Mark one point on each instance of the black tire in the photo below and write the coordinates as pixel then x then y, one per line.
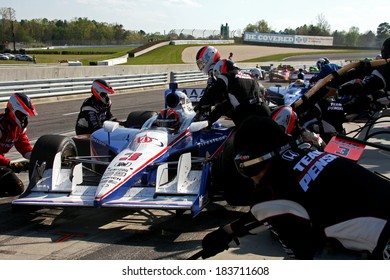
pixel 82 144
pixel 83 147
pixel 48 146
pixel 136 119
pixel 236 189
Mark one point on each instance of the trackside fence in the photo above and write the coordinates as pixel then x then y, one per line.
pixel 72 86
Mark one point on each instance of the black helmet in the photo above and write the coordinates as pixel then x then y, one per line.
pixel 385 52
pixel 252 150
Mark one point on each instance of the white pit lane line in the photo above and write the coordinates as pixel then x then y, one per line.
pixel 68 114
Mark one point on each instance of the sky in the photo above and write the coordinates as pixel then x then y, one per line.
pixel 163 16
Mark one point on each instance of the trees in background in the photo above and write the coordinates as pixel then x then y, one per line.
pixel 350 38
pixel 83 31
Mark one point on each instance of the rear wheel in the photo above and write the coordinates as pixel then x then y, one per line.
pixel 136 119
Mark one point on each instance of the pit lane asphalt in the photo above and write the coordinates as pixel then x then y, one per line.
pixel 118 234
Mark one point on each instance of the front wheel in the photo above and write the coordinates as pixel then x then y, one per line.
pixel 236 189
pixel 46 148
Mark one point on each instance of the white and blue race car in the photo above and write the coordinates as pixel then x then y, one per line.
pixel 138 165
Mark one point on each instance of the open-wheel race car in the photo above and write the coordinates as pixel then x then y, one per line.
pixel 308 73
pixel 286 95
pixel 141 165
pixel 281 73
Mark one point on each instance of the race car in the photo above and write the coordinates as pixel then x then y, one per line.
pixel 286 95
pixel 280 73
pixel 309 73
pixel 140 165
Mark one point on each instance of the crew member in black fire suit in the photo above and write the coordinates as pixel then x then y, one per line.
pixel 95 109
pixel 236 93
pixel 366 80
pixel 306 197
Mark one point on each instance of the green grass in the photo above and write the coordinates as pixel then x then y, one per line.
pixel 85 55
pixel 170 54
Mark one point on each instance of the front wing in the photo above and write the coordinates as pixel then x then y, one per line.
pixel 186 191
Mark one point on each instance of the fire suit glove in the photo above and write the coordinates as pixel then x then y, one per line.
pixel 18 167
pixel 216 242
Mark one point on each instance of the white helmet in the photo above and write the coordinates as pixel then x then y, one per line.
pixel 223 66
pixel 321 62
pixel 285 117
pixel 19 107
pixel 255 73
pixel 206 57
pixel 299 83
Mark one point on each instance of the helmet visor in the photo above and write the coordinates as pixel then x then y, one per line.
pixel 22 118
pixel 166 123
pixel 201 64
pixel 102 97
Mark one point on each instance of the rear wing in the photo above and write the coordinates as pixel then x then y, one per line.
pixel 194 94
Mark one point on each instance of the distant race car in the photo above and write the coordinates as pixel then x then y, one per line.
pixel 280 73
pixel 308 74
pixel 139 165
pixel 286 95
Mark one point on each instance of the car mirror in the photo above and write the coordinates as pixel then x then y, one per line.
pixel 110 126
pixel 196 126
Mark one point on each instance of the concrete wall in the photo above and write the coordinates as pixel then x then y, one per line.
pixel 36 72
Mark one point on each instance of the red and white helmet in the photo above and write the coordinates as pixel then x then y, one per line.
pixel 285 117
pixel 101 89
pixel 169 118
pixel 19 108
pixel 223 66
pixel 206 57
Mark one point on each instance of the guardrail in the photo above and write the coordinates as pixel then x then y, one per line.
pixel 69 86
pixel 187 76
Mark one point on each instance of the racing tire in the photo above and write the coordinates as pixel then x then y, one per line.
pixel 236 189
pixel 48 146
pixel 136 119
